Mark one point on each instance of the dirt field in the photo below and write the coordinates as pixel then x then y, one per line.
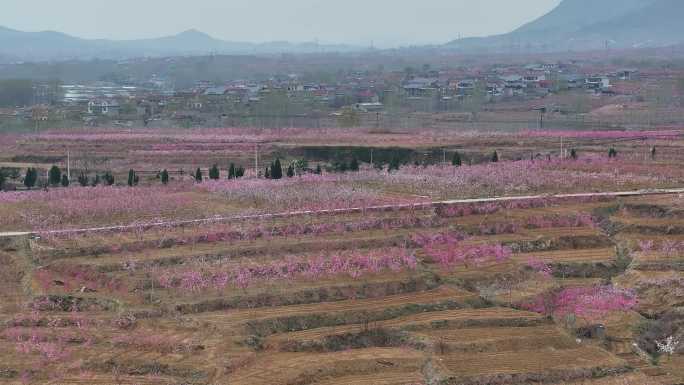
pixel 437 295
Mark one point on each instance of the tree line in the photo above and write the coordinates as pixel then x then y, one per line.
pixel 275 170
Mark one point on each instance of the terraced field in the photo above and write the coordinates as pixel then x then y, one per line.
pixel 395 298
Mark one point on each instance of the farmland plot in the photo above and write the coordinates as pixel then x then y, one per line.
pixel 459 295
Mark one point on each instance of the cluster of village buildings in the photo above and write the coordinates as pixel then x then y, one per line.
pixel 435 90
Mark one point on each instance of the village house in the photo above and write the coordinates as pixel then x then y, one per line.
pixel 369 107
pixel 421 87
pixel 216 91
pixel 513 85
pixel 466 87
pixel 495 88
pixel 533 80
pixel 8 113
pixel 103 107
pixel 572 81
pixel 597 83
pixel 40 113
pixel 627 74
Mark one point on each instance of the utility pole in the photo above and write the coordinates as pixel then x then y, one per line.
pixel 542 111
pixel 256 160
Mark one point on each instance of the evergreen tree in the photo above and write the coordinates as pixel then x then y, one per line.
pixel 612 153
pixel 214 173
pixel 54 176
pixel 319 170
pixel 164 176
pixel 276 170
pixel 267 173
pixel 83 179
pixel 65 180
pixel 394 164
pixel 108 178
pixel 456 160
pixel 198 175
pixel 653 153
pixel 232 172
pixel 30 178
pixel 132 178
pixel 354 165
pixel 342 166
pixel 239 172
pixel 290 171
pixel 495 157
pixel 96 180
pixel 2 180
pixel 573 154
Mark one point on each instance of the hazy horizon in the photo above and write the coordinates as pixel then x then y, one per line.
pixel 382 22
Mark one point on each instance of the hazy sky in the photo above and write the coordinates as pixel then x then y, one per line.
pixel 386 22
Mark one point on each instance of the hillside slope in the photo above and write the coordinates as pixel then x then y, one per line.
pixel 51 45
pixel 589 24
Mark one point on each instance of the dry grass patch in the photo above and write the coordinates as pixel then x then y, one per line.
pixel 303 368
pixel 450 319
pixel 239 317
pixel 532 364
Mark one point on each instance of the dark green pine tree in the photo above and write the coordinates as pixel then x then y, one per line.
pixel 394 164
pixel 131 178
pixel 495 157
pixel 276 170
pixel 96 180
pixel 319 170
pixel 30 178
pixel 108 178
pixel 65 180
pixel 239 172
pixel 214 173
pixel 290 171
pixel 83 179
pixel 342 166
pixel 232 172
pixel 198 175
pixel 54 176
pixel 2 180
pixel 612 153
pixel 267 173
pixel 354 165
pixel 164 177
pixel 456 159
pixel 573 154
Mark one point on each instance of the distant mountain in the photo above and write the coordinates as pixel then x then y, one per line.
pixel 590 24
pixel 51 45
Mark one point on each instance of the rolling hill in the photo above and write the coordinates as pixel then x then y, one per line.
pixel 589 24
pixel 51 45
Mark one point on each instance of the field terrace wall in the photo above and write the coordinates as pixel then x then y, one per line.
pixel 429 321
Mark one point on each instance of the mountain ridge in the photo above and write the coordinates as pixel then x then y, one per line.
pixel 590 24
pixel 54 45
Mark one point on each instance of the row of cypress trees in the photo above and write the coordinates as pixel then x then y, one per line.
pixel 234 172
pixel 273 171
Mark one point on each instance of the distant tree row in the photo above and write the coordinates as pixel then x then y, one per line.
pixel 106 179
pixel 234 172
pixel 55 176
pixel 342 166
